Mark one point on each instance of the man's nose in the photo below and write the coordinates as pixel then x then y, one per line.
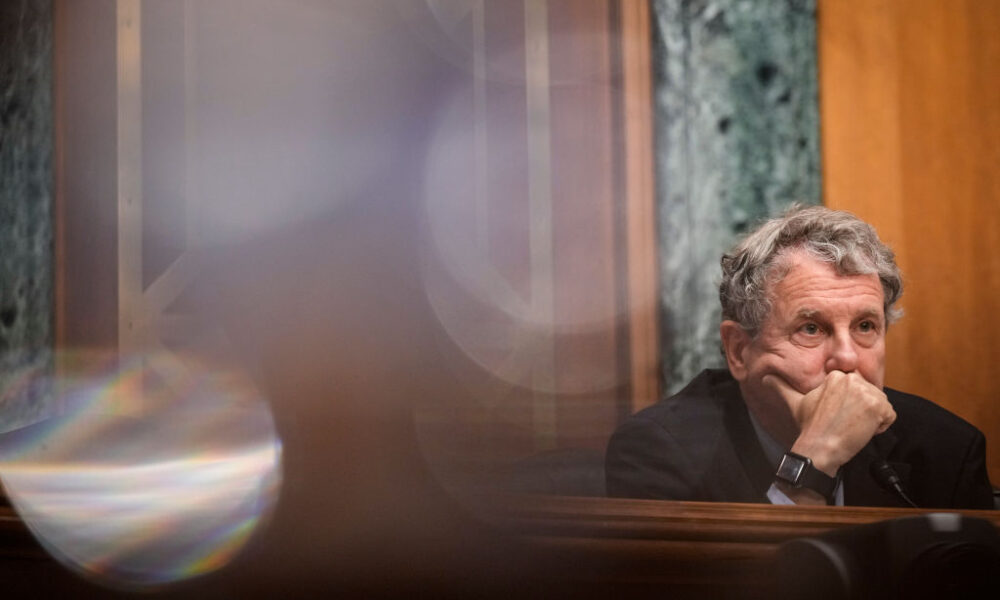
pixel 843 354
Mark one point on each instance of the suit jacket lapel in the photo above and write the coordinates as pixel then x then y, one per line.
pixel 759 472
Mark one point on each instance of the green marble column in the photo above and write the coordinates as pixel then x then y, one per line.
pixel 737 140
pixel 25 210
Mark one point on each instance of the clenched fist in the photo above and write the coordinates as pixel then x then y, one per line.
pixel 836 419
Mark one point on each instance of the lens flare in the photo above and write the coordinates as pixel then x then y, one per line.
pixel 490 274
pixel 158 471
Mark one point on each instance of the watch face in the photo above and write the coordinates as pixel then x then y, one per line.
pixel 791 469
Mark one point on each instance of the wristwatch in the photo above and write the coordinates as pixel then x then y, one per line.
pixel 798 471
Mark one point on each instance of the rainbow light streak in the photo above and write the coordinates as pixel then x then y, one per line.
pixel 139 501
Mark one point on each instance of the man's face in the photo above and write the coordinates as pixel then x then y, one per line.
pixel 820 322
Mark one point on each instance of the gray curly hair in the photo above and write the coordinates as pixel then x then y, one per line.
pixel 832 236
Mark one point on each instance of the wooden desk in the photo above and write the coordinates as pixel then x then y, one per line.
pixel 691 549
pixel 566 547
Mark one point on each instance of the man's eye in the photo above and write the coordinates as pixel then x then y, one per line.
pixel 866 326
pixel 810 329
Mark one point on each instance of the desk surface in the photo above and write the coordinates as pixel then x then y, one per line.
pixel 694 549
pixel 573 546
pixel 705 522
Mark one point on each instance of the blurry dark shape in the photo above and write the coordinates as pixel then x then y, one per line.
pixel 766 71
pixel 940 555
pixel 563 472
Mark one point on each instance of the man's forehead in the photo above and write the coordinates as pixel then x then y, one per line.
pixel 809 284
pixel 804 273
pixel 866 312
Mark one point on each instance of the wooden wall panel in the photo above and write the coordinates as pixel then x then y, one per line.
pixel 641 256
pixel 547 96
pixel 911 142
pixel 86 175
pixel 583 209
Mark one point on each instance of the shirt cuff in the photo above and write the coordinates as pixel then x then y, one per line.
pixel 776 496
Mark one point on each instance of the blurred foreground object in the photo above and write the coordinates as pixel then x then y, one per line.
pixel 937 555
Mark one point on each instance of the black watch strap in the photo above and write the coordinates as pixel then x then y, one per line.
pixel 798 471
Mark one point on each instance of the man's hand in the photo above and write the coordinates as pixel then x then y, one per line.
pixel 836 419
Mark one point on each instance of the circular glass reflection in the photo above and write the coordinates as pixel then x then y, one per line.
pixel 157 471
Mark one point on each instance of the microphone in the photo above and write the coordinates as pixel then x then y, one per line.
pixel 886 476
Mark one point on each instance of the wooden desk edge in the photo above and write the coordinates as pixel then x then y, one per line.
pixel 691 521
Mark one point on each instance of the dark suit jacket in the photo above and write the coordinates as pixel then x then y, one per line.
pixel 700 445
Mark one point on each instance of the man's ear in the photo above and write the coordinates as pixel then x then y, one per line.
pixel 735 340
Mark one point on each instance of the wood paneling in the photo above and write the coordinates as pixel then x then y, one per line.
pixel 547 99
pixel 560 134
pixel 584 199
pixel 911 143
pixel 643 285
pixel 86 175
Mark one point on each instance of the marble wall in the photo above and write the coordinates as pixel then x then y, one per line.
pixel 26 190
pixel 737 139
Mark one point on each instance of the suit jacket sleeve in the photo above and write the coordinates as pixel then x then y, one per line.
pixel 644 460
pixel 973 488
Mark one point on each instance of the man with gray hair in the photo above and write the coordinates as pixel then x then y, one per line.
pixel 801 415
